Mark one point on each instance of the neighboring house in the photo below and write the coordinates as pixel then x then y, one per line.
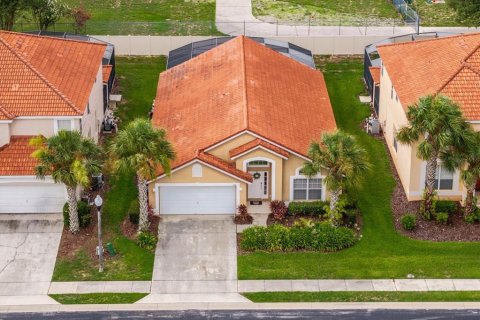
pixel 46 85
pixel 241 118
pixel 448 66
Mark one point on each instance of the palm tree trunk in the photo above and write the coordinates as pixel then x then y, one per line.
pixel 143 201
pixel 72 209
pixel 334 196
pixel 430 185
pixel 469 205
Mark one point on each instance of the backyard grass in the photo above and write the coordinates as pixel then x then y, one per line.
pixel 382 252
pixel 98 298
pixel 436 15
pixel 138 80
pixel 152 17
pixel 364 296
pixel 328 10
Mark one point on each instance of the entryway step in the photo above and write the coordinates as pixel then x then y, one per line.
pixel 197 286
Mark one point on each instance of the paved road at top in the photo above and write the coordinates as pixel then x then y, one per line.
pixel 264 314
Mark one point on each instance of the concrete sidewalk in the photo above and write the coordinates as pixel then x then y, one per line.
pixel 273 286
pixel 234 17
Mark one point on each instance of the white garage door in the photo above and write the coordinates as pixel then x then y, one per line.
pixel 197 199
pixel 31 198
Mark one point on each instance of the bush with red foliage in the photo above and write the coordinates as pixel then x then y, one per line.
pixel 279 210
pixel 243 217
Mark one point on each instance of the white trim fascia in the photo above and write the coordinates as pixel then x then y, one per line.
pixel 204 163
pixel 47 117
pixel 225 141
pixel 273 174
pixel 300 176
pixel 256 136
pixel 259 147
pixel 6 121
pixel 157 186
pixel 474 121
pixel 277 145
pixel 23 179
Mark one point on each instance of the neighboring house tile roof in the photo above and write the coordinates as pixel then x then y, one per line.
pixel 45 76
pixel 224 165
pixel 257 143
pixel 375 72
pixel 435 66
pixel 238 86
pixel 106 71
pixel 16 157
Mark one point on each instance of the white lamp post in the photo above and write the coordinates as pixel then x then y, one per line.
pixel 98 203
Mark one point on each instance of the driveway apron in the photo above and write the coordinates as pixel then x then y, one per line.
pixel 196 254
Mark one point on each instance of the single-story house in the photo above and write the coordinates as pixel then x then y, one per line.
pixel 241 118
pixel 47 84
pixel 448 66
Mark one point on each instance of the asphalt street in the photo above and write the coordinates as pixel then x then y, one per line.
pixel 263 314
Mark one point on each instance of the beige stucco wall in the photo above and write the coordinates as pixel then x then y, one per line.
pixel 184 175
pixel 411 169
pixel 4 133
pixel 32 127
pixel 91 122
pixel 222 151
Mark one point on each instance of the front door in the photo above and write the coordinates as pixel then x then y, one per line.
pixel 258 189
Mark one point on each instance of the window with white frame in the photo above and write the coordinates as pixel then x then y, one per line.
pixel 197 171
pixel 64 125
pixel 395 142
pixel 307 188
pixel 443 178
pixel 258 163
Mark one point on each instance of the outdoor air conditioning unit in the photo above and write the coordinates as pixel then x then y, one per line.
pixel 374 126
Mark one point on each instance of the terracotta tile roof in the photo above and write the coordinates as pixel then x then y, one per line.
pixel 237 86
pixel 106 71
pixel 16 157
pixel 42 76
pixel 375 72
pixel 425 67
pixel 255 143
pixel 224 165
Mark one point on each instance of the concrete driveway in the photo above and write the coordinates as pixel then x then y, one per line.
pixel 196 254
pixel 28 250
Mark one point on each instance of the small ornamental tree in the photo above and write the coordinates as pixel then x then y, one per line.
pixel 80 17
pixel 70 159
pixel 48 12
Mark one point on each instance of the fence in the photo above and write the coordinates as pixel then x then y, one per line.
pixel 348 27
pixel 408 13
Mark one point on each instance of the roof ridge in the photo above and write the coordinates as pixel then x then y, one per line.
pixel 244 80
pixel 6 113
pixel 428 40
pixel 52 38
pixel 36 72
pixel 463 64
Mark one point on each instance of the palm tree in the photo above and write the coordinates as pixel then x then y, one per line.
pixel 70 159
pixel 438 124
pixel 142 149
pixel 467 159
pixel 344 161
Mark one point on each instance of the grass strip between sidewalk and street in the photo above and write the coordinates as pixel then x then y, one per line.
pixel 98 298
pixel 365 296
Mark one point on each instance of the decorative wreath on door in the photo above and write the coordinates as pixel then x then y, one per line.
pixel 256 175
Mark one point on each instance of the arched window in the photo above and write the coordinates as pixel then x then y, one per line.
pixel 197 170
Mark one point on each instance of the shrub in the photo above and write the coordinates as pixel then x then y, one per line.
pixel 134 212
pixel 442 217
pixel 147 240
pixel 84 214
pixel 308 208
pixel 474 217
pixel 279 209
pixel 446 206
pixel 302 236
pixel 243 217
pixel 408 221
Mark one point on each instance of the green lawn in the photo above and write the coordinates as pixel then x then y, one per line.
pixel 382 252
pixel 145 17
pixel 98 298
pixel 330 10
pixel 436 15
pixel 366 296
pixel 138 81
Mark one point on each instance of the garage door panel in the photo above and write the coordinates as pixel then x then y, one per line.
pixel 27 198
pixel 197 199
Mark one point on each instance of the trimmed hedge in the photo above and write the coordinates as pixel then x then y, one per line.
pixel 314 237
pixel 408 221
pixel 446 206
pixel 84 214
pixel 308 208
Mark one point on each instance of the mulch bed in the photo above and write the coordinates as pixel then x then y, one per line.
pixel 130 230
pixel 457 230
